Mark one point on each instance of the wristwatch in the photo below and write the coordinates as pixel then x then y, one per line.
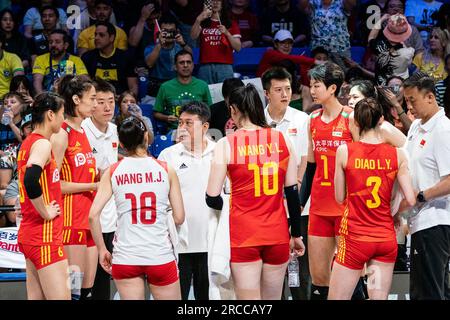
pixel 421 197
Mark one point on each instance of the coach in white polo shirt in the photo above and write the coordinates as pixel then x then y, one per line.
pixel 293 123
pixel 191 159
pixel 102 136
pixel 428 146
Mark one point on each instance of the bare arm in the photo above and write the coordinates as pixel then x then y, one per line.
pixel 392 135
pixel 99 203
pixel 28 32
pixel 37 82
pixel 218 170
pixel 196 27
pixel 310 145
pixel 137 31
pixel 77 187
pixel 133 84
pixel 151 59
pixel 404 178
pixel 306 99
pixel 292 169
pixel 376 29
pixel 175 197
pixel 340 189
pixel 59 143
pixel 235 42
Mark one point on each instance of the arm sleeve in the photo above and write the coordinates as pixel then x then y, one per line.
pixel 16 64
pixel 442 151
pixel 122 40
pixel 31 181
pixel 293 204
pixel 305 190
pixel 83 40
pixel 80 67
pixel 39 65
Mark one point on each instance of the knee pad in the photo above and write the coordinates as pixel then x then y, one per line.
pixel 76 280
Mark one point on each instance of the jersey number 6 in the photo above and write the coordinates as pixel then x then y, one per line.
pixel 143 207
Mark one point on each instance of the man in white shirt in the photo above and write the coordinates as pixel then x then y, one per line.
pixel 428 145
pixel 191 159
pixel 294 124
pixel 103 138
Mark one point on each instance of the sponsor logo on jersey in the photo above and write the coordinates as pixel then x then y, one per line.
pixel 94 150
pixel 292 131
pixel 114 144
pixel 80 159
pixel 337 134
pixel 422 143
pixel 55 176
pixel 183 166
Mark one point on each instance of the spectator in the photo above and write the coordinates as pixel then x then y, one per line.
pixel 86 40
pixel 329 24
pixel 368 11
pixel 218 37
pixel 422 13
pixel 415 40
pixel 160 57
pixel 15 42
pixel 431 61
pixel 393 58
pixel 39 41
pixel 22 85
pixel 58 62
pixel 282 47
pixel 32 19
pixel 320 54
pixel 102 136
pixel 191 160
pixel 441 86
pixel 127 102
pixel 187 11
pixel 10 66
pixel 88 15
pixel 10 136
pixel 108 63
pixel 180 90
pixel 428 146
pixel 142 35
pixel 247 21
pixel 220 114
pixel 283 16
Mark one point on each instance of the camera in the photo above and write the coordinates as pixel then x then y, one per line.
pixel 170 34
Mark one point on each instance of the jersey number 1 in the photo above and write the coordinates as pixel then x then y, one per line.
pixel 143 207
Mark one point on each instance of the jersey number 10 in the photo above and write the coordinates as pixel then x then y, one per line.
pixel 143 207
pixel 267 190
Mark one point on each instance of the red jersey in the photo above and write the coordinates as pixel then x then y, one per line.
pixel 370 175
pixel 326 138
pixel 257 170
pixel 214 46
pixel 34 230
pixel 78 166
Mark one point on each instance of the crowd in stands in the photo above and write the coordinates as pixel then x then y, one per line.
pixel 165 53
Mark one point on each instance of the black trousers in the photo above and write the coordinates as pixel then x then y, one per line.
pixel 430 254
pixel 194 266
pixel 303 292
pixel 102 283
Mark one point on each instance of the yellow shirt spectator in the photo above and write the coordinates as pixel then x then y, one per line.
pixel 429 67
pixel 70 64
pixel 10 65
pixel 86 39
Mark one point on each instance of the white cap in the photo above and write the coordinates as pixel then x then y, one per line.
pixel 282 35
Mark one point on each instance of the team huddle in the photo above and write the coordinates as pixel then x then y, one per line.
pixel 354 162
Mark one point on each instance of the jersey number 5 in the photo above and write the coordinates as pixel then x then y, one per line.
pixel 143 207
pixel 376 183
pixel 267 190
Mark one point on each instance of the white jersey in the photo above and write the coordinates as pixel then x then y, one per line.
pixel 141 192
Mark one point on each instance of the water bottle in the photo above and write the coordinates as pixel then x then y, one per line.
pixel 293 272
pixel 18 211
pixel 6 119
pixel 134 110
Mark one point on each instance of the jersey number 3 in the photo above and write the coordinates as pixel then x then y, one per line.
pixel 144 208
pixel 376 183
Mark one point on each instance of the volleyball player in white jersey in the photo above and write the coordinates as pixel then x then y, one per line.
pixel 142 188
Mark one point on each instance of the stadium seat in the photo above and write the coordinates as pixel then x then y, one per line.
pixel 160 142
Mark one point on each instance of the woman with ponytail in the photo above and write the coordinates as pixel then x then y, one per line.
pixel 365 174
pixel 258 162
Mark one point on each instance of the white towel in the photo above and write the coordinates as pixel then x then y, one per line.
pixel 220 283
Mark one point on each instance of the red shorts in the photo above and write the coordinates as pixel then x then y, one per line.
pixel 158 275
pixel 43 256
pixel 324 226
pixel 75 237
pixel 89 240
pixel 274 254
pixel 353 254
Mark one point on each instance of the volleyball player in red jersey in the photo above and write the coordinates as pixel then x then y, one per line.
pixel 76 161
pixel 40 232
pixel 329 127
pixel 365 174
pixel 258 162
